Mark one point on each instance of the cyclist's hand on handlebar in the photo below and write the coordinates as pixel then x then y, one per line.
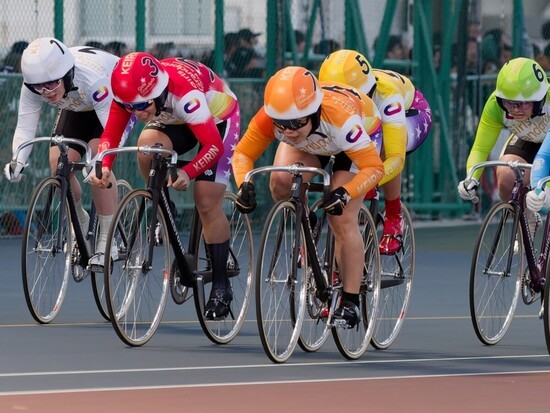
pixel 14 174
pixel 467 189
pixel 105 176
pixel 246 198
pixel 536 199
pixel 336 201
pixel 182 183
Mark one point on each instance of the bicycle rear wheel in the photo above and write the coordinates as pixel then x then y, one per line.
pixel 281 282
pixel 495 287
pixel 315 330
pixel 353 342
pixel 395 291
pixel 240 267
pixel 546 306
pixel 137 282
pixel 45 264
pixel 98 285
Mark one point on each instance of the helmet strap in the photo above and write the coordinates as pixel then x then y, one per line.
pixel 315 120
pixel 160 101
pixel 68 82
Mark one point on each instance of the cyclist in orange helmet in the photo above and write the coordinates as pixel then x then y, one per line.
pixel 313 121
pixel 406 122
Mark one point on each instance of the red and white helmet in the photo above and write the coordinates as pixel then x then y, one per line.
pixel 138 77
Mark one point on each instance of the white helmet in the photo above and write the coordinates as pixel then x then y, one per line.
pixel 46 59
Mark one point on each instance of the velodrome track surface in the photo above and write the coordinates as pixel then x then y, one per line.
pixel 78 364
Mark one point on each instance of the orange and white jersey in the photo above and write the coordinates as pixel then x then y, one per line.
pixel 349 122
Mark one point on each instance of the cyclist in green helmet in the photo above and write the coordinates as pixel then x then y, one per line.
pixel 520 104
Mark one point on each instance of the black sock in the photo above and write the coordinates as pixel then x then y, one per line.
pixel 218 257
pixel 351 298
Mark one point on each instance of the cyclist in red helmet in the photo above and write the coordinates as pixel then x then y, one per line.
pixel 183 103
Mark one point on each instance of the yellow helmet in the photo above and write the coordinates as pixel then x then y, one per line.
pixel 349 67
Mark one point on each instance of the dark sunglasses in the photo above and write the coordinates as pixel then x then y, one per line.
pixel 135 106
pixel 46 86
pixel 291 124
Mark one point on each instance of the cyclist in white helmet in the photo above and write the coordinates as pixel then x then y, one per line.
pixel 520 104
pixel 76 81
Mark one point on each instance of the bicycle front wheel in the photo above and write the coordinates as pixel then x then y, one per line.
pixel 240 269
pixel 495 277
pixel 46 252
pixel 281 282
pixel 546 306
pixel 397 272
pixel 136 282
pixel 98 286
pixel 353 342
pixel 315 330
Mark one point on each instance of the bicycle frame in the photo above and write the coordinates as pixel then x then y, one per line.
pixel 64 168
pixel 537 264
pixel 297 197
pixel 156 185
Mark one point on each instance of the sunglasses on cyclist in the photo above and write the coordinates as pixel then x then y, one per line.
pixel 516 104
pixel 290 124
pixel 131 107
pixel 50 86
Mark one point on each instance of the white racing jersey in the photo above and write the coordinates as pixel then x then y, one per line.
pixel 91 91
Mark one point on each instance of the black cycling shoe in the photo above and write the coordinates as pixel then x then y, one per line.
pixel 219 304
pixel 347 315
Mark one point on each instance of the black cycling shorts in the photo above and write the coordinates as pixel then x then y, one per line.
pixel 524 149
pixel 78 125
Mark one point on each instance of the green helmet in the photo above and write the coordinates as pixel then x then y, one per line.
pixel 522 80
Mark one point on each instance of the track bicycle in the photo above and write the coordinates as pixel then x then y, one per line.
pixel 296 294
pixel 140 280
pixel 397 273
pixel 54 246
pixel 505 264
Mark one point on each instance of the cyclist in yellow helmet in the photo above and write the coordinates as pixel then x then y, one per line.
pixel 406 122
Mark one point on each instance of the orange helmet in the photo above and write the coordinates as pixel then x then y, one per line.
pixel 348 67
pixel 292 93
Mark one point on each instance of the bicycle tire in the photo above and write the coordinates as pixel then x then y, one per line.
pixel 280 283
pixel 397 273
pixel 137 293
pixel 240 267
pixel 493 293
pixel 546 307
pixel 98 285
pixel 315 329
pixel 353 342
pixel 45 267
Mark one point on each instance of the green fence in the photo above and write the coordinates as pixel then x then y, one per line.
pixel 437 39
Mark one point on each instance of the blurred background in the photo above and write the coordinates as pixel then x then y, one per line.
pixel 451 49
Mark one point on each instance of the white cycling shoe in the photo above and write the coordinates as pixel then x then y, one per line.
pixel 97 262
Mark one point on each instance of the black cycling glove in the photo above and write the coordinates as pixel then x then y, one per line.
pixel 336 201
pixel 246 198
